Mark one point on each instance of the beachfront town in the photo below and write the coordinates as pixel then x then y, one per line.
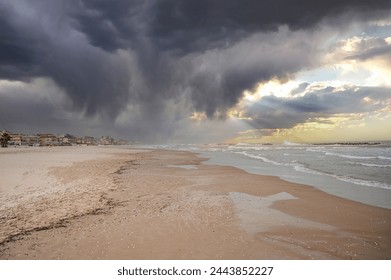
pixel 47 139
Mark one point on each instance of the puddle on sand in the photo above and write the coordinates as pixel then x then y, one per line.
pixel 189 166
pixel 255 214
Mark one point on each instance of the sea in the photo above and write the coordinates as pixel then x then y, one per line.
pixel 356 171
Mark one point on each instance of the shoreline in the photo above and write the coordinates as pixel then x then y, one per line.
pixel 372 196
pixel 161 204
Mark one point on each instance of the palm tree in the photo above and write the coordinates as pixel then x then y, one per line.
pixel 5 137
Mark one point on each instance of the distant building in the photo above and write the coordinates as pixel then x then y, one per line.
pixel 106 140
pixel 121 142
pixel 79 140
pixel 30 140
pixel 86 140
pixel 67 140
pixel 16 139
pixel 48 140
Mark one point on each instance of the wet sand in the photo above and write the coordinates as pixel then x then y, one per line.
pixel 112 203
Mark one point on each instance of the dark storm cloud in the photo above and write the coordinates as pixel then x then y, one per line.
pixel 41 43
pixel 111 25
pixel 198 24
pixel 108 56
pixel 277 112
pixel 19 51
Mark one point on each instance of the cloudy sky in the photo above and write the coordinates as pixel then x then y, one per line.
pixel 193 71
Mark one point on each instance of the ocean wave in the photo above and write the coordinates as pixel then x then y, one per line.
pixel 362 182
pixel 382 157
pixel 370 164
pixel 266 160
pixel 254 148
pixel 287 147
pixel 374 184
pixel 295 155
pixel 359 157
pixel 300 167
pixel 349 156
pixel 242 144
pixel 287 143
pixel 316 150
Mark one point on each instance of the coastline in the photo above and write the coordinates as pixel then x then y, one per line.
pixel 157 204
pixel 360 193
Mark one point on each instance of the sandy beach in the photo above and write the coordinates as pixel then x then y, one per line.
pixel 116 203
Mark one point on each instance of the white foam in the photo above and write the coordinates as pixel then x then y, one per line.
pixel 301 168
pixel 370 164
pixel 348 156
pixel 287 143
pixel 382 157
pixel 362 182
pixel 266 160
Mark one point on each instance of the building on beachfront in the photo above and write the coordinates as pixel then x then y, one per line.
pixel 85 140
pixel 67 140
pixel 30 140
pixel 121 142
pixel 48 140
pixel 15 139
pixel 18 139
pixel 89 140
pixel 106 140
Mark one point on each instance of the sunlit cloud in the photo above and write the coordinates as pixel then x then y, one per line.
pixel 198 116
pixel 315 112
pixel 353 127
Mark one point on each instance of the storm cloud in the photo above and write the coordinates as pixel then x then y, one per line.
pixel 152 63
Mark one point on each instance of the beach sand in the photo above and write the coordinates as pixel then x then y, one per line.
pixel 113 203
